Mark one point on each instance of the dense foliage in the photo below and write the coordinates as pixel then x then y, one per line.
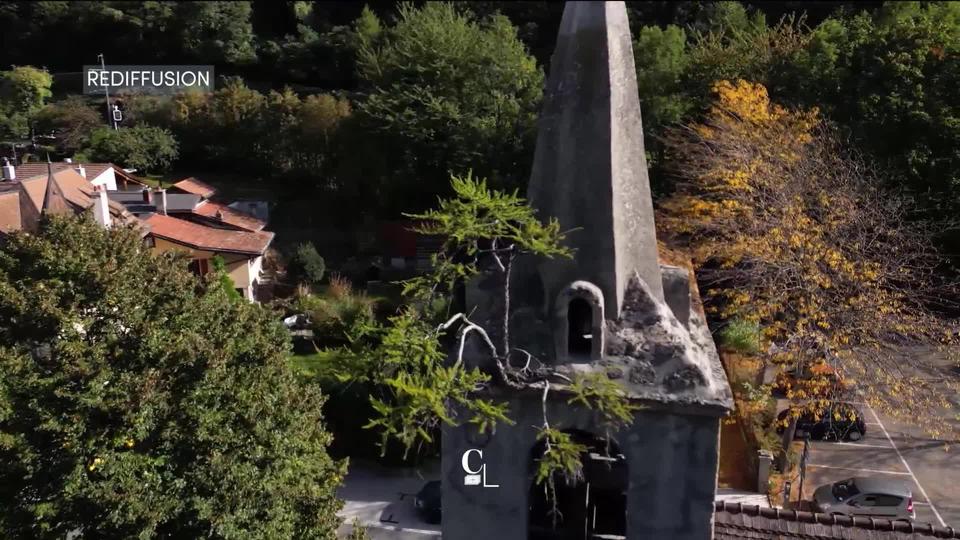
pixel 337 314
pixel 71 121
pixel 275 134
pixel 306 265
pixel 413 93
pixel 793 232
pixel 149 149
pixel 137 402
pixel 886 76
pixel 447 93
pixel 23 91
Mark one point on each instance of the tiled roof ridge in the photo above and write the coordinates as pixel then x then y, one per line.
pixel 873 524
pixel 793 535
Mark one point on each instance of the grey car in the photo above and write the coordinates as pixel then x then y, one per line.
pixel 866 496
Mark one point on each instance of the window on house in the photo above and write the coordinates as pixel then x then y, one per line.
pixel 199 267
pixel 580 327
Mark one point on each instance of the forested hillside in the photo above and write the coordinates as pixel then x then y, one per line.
pixel 380 103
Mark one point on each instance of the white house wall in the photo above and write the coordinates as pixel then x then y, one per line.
pixel 106 178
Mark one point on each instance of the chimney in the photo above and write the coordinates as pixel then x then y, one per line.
pixel 101 206
pixel 81 170
pixel 147 196
pixel 161 201
pixel 9 171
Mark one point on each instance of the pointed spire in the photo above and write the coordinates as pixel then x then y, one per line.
pixel 54 202
pixel 589 167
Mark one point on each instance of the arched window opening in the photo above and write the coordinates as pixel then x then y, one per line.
pixel 593 506
pixel 580 328
pixel 578 323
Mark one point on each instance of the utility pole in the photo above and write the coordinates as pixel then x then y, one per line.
pixel 106 92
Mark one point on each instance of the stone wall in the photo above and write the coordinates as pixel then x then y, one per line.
pixel 671 459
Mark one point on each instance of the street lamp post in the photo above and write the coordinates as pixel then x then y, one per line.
pixel 106 93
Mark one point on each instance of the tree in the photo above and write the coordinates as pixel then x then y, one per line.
pixel 71 121
pixel 443 92
pixel 223 279
pixel 676 68
pixel 307 265
pixel 367 28
pixel 793 231
pixel 146 148
pixel 890 76
pixel 137 403
pixel 661 58
pixel 485 231
pixel 216 31
pixel 23 92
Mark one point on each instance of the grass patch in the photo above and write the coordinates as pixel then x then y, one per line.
pixel 318 365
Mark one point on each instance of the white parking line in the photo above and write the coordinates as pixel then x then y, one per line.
pixel 907 465
pixel 873 423
pixel 875 471
pixel 864 445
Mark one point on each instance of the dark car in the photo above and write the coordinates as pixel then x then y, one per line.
pixel 840 421
pixel 427 502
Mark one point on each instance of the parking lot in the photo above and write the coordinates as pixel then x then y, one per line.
pixel 901 450
pixel 932 472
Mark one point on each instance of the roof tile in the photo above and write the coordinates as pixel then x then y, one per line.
pixel 192 185
pixel 230 216
pixel 735 521
pixel 208 238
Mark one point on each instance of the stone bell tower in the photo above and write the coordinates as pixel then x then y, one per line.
pixel 612 309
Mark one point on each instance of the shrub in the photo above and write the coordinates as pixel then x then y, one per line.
pixel 223 278
pixel 742 336
pixel 307 265
pixel 337 312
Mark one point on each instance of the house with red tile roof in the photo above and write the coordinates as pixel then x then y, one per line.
pixel 53 190
pixel 203 229
pixel 107 175
pixel 182 220
pixel 242 250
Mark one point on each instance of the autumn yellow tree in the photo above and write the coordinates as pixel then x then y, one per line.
pixel 791 230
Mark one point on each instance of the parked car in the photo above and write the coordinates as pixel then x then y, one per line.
pixel 817 380
pixel 427 502
pixel 866 496
pixel 840 421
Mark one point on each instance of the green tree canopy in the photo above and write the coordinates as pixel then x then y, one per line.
pixel 138 402
pixel 891 77
pixel 71 121
pixel 23 92
pixel 445 92
pixel 147 148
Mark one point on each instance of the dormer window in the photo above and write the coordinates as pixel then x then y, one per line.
pixel 578 334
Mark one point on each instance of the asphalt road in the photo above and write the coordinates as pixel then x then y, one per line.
pixel 898 450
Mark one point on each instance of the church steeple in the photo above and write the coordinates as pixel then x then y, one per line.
pixel 54 201
pixel 589 167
